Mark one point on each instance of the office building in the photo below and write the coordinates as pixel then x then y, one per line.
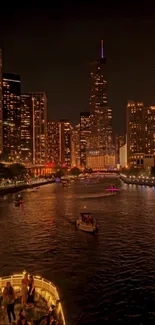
pixel 150 130
pixel 11 116
pixel 97 160
pixel 75 146
pixel 1 108
pixel 119 142
pixel 123 156
pixel 53 142
pixel 39 110
pixel 26 128
pixel 65 143
pixel 84 136
pixel 135 125
pixel 101 113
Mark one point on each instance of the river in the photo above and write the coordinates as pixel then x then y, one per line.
pixel 106 277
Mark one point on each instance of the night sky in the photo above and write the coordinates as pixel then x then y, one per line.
pixel 51 49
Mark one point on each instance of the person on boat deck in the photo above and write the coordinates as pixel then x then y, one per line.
pixel 31 290
pixel 9 295
pixel 22 319
pixel 24 291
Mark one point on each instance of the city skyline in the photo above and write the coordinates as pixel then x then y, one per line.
pixel 61 66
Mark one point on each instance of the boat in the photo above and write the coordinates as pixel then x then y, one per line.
pixel 18 200
pixel 112 189
pixel 46 297
pixel 86 222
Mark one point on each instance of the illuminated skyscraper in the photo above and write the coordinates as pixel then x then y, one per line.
pixel 53 142
pixel 119 142
pixel 65 143
pixel 26 128
pixel 84 136
pixel 76 146
pixel 135 124
pixel 101 113
pixel 11 116
pixel 1 108
pixel 39 108
pixel 150 130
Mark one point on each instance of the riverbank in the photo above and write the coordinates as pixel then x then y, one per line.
pixel 18 188
pixel 140 180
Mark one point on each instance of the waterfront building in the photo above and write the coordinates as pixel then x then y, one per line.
pixel 97 160
pixel 119 142
pixel 101 113
pixel 123 156
pixel 150 130
pixel 75 146
pixel 11 116
pixel 65 143
pixel 85 132
pixel 1 107
pixel 39 111
pixel 135 125
pixel 53 142
pixel 26 128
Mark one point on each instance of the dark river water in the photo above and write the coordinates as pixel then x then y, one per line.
pixel 104 278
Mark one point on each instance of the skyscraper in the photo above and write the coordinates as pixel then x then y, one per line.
pixel 39 107
pixel 135 125
pixel 11 116
pixel 101 113
pixel 26 128
pixel 65 143
pixel 84 136
pixel 76 146
pixel 150 130
pixel 53 142
pixel 1 108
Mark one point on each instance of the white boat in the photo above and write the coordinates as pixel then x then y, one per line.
pixel 87 223
pixel 46 296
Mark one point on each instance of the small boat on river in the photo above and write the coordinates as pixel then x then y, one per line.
pixel 86 222
pixel 46 298
pixel 18 200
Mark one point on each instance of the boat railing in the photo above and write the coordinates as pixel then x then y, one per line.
pixel 44 287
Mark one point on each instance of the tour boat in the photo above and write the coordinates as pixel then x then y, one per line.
pixel 87 223
pixel 46 296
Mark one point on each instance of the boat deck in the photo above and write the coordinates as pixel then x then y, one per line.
pixel 32 313
pixel 46 296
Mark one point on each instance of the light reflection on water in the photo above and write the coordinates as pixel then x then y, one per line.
pixel 109 276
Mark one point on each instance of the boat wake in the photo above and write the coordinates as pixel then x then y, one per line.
pixel 95 196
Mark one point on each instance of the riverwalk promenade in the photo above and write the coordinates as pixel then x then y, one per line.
pixel 12 188
pixel 138 180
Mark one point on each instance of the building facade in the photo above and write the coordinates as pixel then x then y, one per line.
pixel 39 111
pixel 135 125
pixel 119 142
pixel 26 128
pixel 53 142
pixel 11 116
pixel 1 107
pixel 101 113
pixel 97 160
pixel 84 136
pixel 150 130
pixel 65 143
pixel 75 148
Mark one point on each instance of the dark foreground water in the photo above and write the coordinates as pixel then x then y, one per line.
pixel 107 278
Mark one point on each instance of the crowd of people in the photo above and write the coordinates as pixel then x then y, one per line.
pixel 27 294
